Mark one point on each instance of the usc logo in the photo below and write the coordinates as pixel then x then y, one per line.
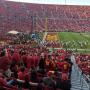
pixel 51 38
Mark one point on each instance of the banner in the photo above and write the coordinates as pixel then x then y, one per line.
pixel 51 38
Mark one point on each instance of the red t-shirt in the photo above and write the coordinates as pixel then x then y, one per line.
pixel 29 61
pixel 2 82
pixel 4 62
pixel 24 58
pixel 64 77
pixel 65 67
pixel 36 60
pixel 59 65
pixel 23 75
pixel 16 57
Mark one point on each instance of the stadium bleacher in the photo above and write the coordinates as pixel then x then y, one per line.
pixel 30 60
pixel 24 16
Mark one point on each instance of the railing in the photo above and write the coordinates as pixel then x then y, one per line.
pixel 85 80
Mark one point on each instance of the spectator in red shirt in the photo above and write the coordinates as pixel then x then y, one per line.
pixel 65 66
pixel 22 73
pixel 16 56
pixel 4 61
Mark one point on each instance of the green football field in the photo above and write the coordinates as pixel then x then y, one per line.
pixel 79 42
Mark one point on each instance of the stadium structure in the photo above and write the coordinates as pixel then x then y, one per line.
pixel 60 33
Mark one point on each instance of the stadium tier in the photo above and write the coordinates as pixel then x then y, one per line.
pixel 39 17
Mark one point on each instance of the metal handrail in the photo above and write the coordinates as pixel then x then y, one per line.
pixel 84 75
pixel 85 78
pixel 86 83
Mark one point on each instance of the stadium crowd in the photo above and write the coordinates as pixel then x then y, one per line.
pixel 28 65
pixel 38 16
pixel 33 68
pixel 83 62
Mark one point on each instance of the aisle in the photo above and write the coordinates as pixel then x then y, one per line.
pixel 77 81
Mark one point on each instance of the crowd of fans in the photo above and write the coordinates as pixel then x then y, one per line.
pixel 34 68
pixel 83 62
pixel 26 17
pixel 26 66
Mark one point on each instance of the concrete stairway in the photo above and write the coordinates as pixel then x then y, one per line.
pixel 77 80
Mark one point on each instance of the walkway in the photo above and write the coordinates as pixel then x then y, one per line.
pixel 77 80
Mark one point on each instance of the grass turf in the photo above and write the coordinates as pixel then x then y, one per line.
pixel 72 40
